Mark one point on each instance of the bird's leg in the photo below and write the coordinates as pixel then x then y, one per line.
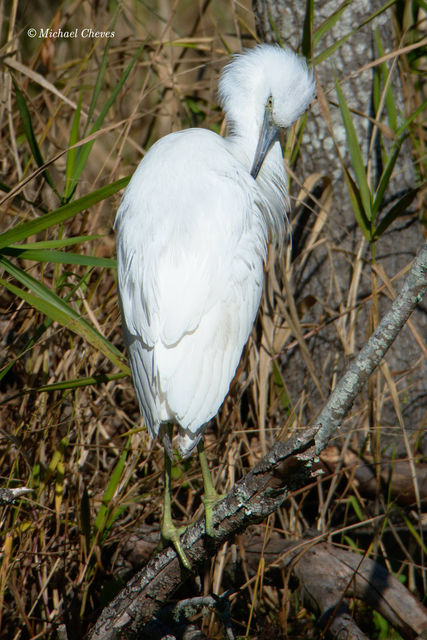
pixel 169 532
pixel 211 497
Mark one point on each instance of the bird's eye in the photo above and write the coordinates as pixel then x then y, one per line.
pixel 270 103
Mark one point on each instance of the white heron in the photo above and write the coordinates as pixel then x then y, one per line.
pixel 192 234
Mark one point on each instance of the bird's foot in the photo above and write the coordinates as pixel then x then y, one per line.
pixel 210 501
pixel 170 534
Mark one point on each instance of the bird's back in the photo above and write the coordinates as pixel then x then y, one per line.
pixel 191 242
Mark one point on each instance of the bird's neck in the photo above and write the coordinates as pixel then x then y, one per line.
pixel 271 180
pixel 243 144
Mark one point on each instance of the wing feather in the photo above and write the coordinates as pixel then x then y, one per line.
pixel 191 242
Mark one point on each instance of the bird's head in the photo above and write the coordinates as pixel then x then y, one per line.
pixel 264 90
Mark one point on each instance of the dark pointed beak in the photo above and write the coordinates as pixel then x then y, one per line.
pixel 268 135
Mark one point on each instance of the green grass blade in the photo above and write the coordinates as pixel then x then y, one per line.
pixel 282 392
pixel 376 90
pixel 72 154
pixel 117 90
pixel 27 126
pixel 65 385
pixel 37 287
pixel 84 151
pixel 76 325
pixel 329 22
pixel 100 76
pixel 85 517
pixel 411 118
pixel 52 306
pixel 415 534
pixel 57 457
pixel 57 244
pixel 38 334
pixel 355 153
pixel 385 177
pixel 382 627
pixel 26 229
pixel 326 53
pixel 113 483
pixel 396 210
pixel 60 257
pixel 307 33
pixel 389 97
pixel 352 500
pixel 81 382
pixel 356 202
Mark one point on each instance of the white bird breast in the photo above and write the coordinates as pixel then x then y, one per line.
pixel 191 243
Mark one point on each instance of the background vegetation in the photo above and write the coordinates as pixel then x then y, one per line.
pixel 76 115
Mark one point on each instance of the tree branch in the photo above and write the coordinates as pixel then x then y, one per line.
pixel 286 468
pixel 373 351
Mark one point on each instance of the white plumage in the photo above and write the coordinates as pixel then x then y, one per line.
pixel 191 245
pixel 192 235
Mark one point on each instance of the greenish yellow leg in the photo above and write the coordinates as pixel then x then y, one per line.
pixel 169 532
pixel 211 497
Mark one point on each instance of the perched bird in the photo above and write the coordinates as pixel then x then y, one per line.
pixel 192 234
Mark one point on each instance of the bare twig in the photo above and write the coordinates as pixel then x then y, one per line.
pixel 9 496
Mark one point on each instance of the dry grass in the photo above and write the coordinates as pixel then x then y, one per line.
pixel 69 423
